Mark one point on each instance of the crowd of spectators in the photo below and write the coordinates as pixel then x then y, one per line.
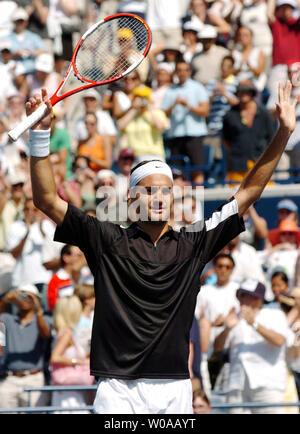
pixel 210 80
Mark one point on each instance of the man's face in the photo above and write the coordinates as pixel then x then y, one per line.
pixel 125 164
pixel 155 197
pixel 30 211
pixel 226 68
pixel 183 72
pixel 223 267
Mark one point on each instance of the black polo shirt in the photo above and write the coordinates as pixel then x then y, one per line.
pixel 145 294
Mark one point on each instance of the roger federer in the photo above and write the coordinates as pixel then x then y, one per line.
pixel 147 276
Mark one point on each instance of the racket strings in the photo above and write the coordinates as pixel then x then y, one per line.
pixel 111 49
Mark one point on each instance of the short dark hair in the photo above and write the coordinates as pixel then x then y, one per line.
pixel 66 250
pixel 223 255
pixel 228 57
pixel 280 274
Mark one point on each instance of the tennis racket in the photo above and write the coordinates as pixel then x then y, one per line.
pixel 109 50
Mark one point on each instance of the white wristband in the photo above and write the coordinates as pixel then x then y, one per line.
pixel 39 143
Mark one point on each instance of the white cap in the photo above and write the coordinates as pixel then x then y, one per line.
pixel 44 62
pixel 292 3
pixel 20 14
pixel 105 173
pixel 190 25
pixel 28 287
pixel 5 45
pixel 91 93
pixel 165 66
pixel 207 32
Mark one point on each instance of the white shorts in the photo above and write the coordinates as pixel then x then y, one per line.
pixel 143 396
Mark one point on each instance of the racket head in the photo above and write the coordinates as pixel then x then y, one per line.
pixel 111 49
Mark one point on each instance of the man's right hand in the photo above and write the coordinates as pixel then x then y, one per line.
pixel 33 103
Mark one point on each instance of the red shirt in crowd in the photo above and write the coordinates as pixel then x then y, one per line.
pixel 60 285
pixel 286 41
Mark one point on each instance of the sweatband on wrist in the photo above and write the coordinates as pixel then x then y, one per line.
pixel 39 143
pixel 151 168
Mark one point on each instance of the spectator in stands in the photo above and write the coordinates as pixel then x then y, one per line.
pixel 249 61
pixel 161 82
pixel 7 9
pixel 15 114
pixel 284 254
pixel 25 45
pixel 66 350
pixel 207 64
pixel 96 147
pixel 85 178
pixel 286 42
pixel 292 150
pixel 201 14
pixel 142 127
pixel 191 45
pixel 60 143
pixel 255 17
pixel 187 105
pixel 61 283
pixel 256 229
pixel 280 285
pixel 109 208
pixel 86 295
pixel 168 53
pixel 201 403
pixel 247 128
pixel 66 188
pixel 105 124
pixel 247 261
pixel 11 203
pixel 27 335
pixel 164 20
pixel 137 7
pixel 25 241
pixel 121 99
pixel 222 96
pixel 37 11
pixel 100 9
pixel 125 163
pixel 44 76
pixel 256 337
pixel 214 302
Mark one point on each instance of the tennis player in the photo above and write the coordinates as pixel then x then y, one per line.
pixel 147 275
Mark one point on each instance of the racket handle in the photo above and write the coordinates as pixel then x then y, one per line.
pixel 28 122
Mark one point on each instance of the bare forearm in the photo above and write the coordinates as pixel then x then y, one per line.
pixel 271 336
pixel 17 251
pixel 45 196
pixel 202 110
pixel 254 183
pixel 220 340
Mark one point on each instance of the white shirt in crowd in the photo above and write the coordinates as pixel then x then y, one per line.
pixel 29 266
pixel 106 126
pixel 165 14
pixel 215 300
pixel 252 355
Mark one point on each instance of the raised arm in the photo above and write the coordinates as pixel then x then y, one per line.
pixel 257 178
pixel 44 191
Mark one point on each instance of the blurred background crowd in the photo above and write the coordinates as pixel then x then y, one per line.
pixel 204 100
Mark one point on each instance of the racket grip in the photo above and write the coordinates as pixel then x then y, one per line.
pixel 28 122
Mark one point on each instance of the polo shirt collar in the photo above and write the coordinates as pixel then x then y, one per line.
pixel 134 228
